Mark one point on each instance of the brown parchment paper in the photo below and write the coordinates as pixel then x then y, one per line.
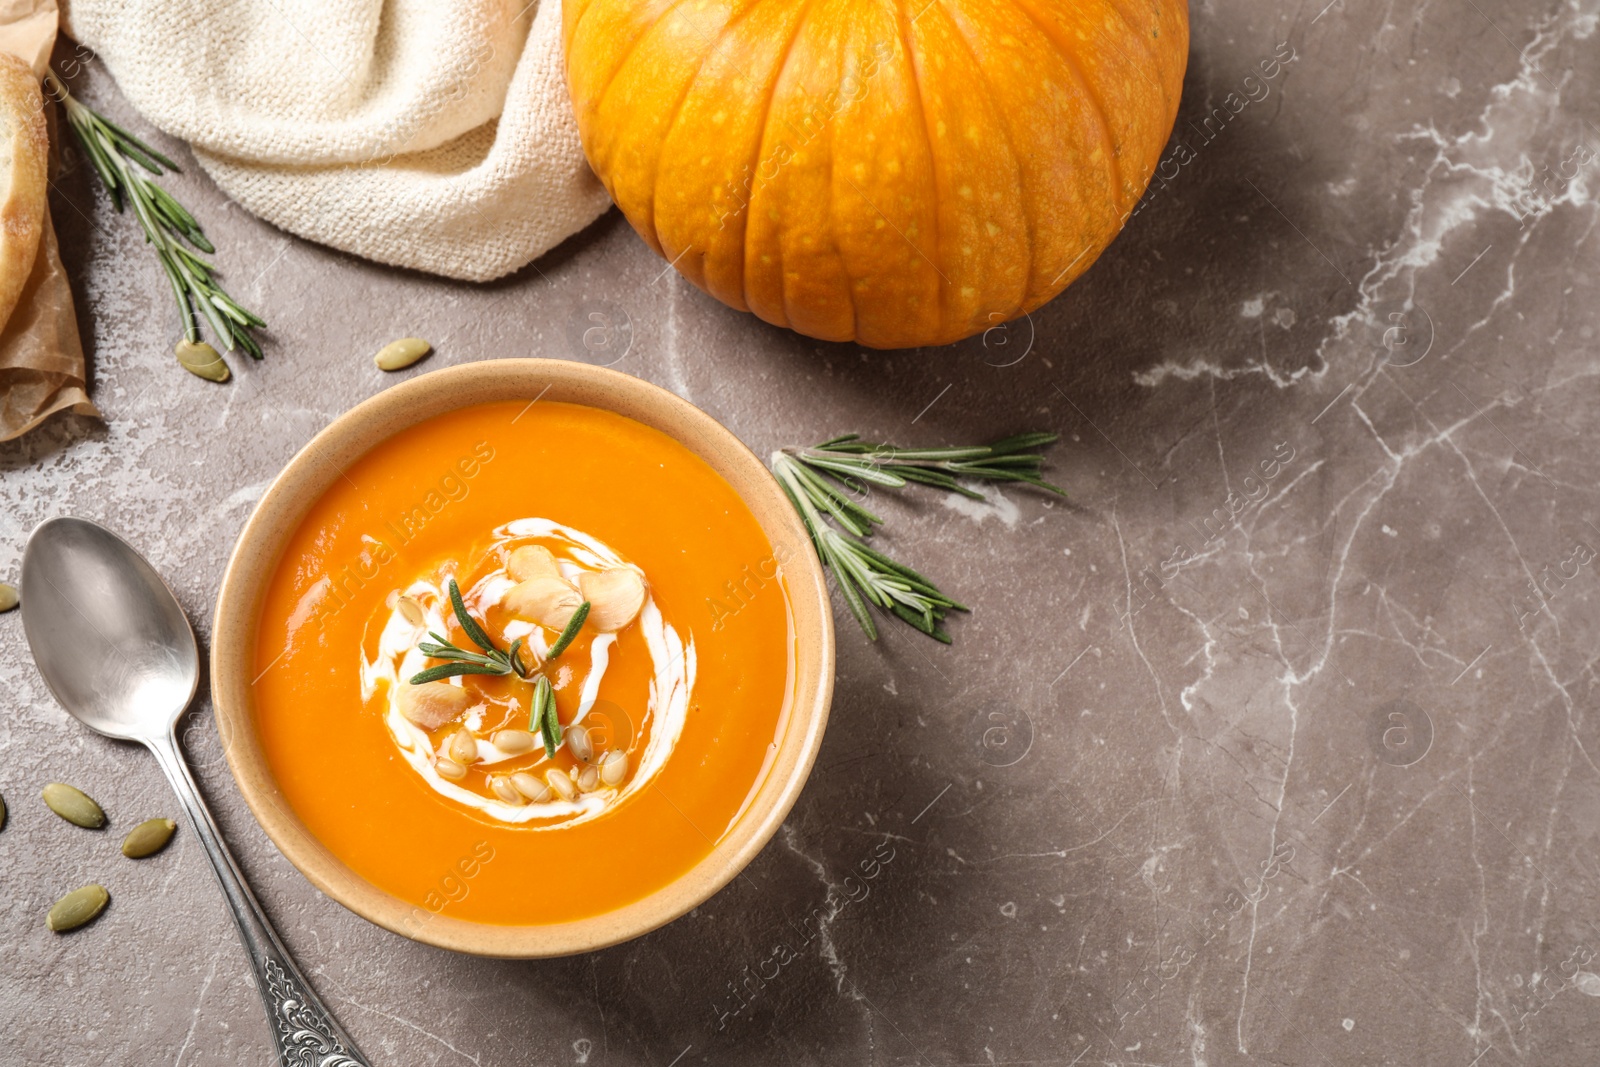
pixel 41 354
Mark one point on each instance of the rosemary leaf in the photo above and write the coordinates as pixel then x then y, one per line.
pixel 541 713
pixel 127 167
pixel 469 625
pixel 855 469
pixel 574 624
pixel 819 480
pixel 450 670
pixel 852 598
pixel 550 717
pixel 491 660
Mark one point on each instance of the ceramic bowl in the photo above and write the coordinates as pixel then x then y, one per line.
pixel 255 558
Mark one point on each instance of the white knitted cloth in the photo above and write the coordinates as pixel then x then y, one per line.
pixel 432 134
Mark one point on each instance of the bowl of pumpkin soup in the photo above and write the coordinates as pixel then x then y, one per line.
pixel 522 658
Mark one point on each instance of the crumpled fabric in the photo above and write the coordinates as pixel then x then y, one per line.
pixel 430 134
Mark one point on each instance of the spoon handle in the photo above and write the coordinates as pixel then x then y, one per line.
pixel 305 1033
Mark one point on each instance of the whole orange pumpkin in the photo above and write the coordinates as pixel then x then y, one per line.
pixel 894 173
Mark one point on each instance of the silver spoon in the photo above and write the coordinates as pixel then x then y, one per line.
pixel 117 651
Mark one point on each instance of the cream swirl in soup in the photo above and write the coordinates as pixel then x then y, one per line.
pixel 476 739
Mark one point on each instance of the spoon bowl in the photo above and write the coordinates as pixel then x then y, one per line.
pixel 116 649
pixel 110 639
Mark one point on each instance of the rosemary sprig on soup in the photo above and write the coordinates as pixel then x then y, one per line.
pixel 458 660
pixel 543 718
pixel 573 626
pixel 536 595
pixel 825 481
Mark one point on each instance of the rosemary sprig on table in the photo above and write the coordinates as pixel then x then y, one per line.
pixel 821 481
pixel 127 167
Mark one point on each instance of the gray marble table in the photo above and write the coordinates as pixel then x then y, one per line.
pixel 1276 744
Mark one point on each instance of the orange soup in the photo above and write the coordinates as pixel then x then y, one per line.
pixel 524 664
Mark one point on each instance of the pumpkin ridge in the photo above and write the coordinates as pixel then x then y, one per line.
pixel 849 279
pixel 755 164
pixel 1114 170
pixel 1152 58
pixel 570 33
pixel 1157 86
pixel 1005 131
pixel 677 113
pixel 933 162
pixel 1155 58
pixel 600 98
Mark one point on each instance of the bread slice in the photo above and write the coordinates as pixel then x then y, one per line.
pixel 24 154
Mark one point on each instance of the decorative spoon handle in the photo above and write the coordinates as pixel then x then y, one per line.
pixel 306 1033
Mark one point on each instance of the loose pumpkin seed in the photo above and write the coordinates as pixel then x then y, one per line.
pixel 530 787
pixel 449 768
pixel 398 355
pixel 613 767
pixel 589 779
pixel 148 838
pixel 201 360
pixel 411 611
pixel 8 596
pixel 77 908
pixel 463 748
pixel 3 813
pixel 73 805
pixel 513 742
pixel 506 791
pixel 559 781
pixel 579 742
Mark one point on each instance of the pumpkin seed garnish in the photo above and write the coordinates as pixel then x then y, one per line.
pixel 73 805
pixel 77 908
pixel 463 748
pixel 561 783
pixel 502 788
pixel 530 787
pixel 613 767
pixel 398 355
pixel 3 813
pixel 411 611
pixel 512 742
pixel 148 838
pixel 201 360
pixel 8 596
pixel 579 743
